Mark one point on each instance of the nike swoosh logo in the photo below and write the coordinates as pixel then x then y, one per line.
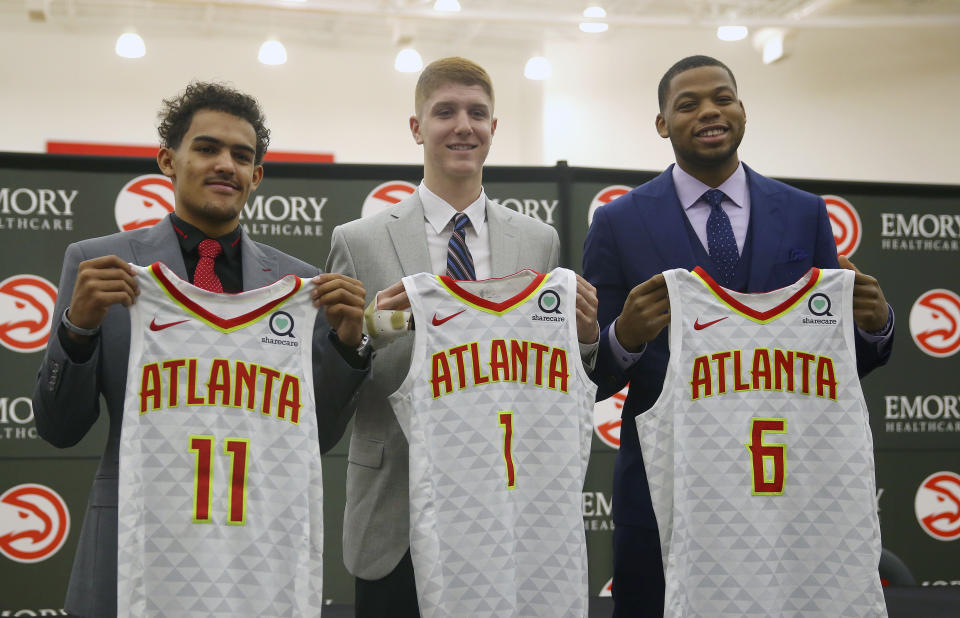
pixel 698 326
pixel 155 326
pixel 438 321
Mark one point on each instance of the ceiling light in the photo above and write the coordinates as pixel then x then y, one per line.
pixel 593 26
pixel 130 45
pixel 595 12
pixel 732 33
pixel 773 49
pixel 272 53
pixel 408 61
pixel 770 43
pixel 537 68
pixel 448 6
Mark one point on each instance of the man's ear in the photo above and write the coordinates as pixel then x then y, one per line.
pixel 415 130
pixel 165 161
pixel 257 177
pixel 493 127
pixel 661 123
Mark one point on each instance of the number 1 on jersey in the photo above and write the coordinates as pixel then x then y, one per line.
pixel 506 421
pixel 237 448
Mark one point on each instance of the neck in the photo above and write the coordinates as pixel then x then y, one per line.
pixel 211 229
pixel 458 192
pixel 710 175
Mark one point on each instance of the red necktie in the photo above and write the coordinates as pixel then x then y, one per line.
pixel 204 276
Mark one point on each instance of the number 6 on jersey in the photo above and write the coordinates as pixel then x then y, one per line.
pixel 760 453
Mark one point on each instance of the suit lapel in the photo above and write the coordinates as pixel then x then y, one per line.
pixel 159 244
pixel 504 245
pixel 407 231
pixel 766 217
pixel 663 214
pixel 259 269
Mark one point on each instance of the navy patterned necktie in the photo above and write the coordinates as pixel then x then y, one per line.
pixel 721 243
pixel 459 260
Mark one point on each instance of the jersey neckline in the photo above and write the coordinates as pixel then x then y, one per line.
pixel 809 281
pixel 498 308
pixel 170 283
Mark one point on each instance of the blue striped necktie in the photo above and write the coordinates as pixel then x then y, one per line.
pixel 721 243
pixel 459 260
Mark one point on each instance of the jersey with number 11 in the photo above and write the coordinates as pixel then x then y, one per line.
pixel 497 412
pixel 759 453
pixel 220 490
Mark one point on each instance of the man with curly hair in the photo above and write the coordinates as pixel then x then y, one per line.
pixel 213 140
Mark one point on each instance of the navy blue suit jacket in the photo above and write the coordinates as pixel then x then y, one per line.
pixel 643 233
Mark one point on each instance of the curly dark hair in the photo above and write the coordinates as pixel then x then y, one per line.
pixel 177 112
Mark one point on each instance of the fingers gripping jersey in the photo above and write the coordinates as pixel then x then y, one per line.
pixel 497 412
pixel 220 494
pixel 759 453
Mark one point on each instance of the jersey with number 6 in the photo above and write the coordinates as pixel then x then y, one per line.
pixel 497 411
pixel 220 492
pixel 759 453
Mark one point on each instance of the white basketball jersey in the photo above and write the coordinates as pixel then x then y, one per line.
pixel 497 411
pixel 220 492
pixel 759 453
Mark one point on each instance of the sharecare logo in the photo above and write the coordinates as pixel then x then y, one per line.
pixel 26 312
pixel 935 323
pixel 845 222
pixel 143 202
pixel 606 418
pixel 386 195
pixel 34 523
pixel 937 505
pixel 605 196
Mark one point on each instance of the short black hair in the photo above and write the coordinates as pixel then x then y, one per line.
pixel 177 112
pixel 690 62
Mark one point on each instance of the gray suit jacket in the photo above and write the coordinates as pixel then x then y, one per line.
pixel 379 251
pixel 66 398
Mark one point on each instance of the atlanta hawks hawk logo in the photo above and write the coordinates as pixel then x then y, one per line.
pixel 935 323
pixel 34 523
pixel 606 418
pixel 605 196
pixel 144 202
pixel 845 223
pixel 26 312
pixel 386 195
pixel 937 506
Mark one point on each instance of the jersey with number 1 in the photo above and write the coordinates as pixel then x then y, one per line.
pixel 497 412
pixel 759 453
pixel 220 491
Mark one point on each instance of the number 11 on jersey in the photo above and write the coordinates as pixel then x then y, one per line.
pixel 506 421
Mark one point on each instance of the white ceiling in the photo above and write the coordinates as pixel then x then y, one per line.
pixel 509 21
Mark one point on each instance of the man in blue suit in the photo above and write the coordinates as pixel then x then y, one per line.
pixel 751 233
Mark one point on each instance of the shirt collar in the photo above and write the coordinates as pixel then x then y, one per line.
pixel 438 212
pixel 190 237
pixel 690 190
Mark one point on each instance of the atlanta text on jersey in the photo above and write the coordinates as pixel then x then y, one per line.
pixel 508 361
pixel 771 370
pixel 226 384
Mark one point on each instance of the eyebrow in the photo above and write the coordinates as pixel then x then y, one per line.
pixel 220 142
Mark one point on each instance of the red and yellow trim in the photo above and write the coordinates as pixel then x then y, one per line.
pixel 452 286
pixel 813 277
pixel 224 325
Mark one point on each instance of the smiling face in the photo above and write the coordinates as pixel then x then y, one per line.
pixel 455 126
pixel 705 122
pixel 213 171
